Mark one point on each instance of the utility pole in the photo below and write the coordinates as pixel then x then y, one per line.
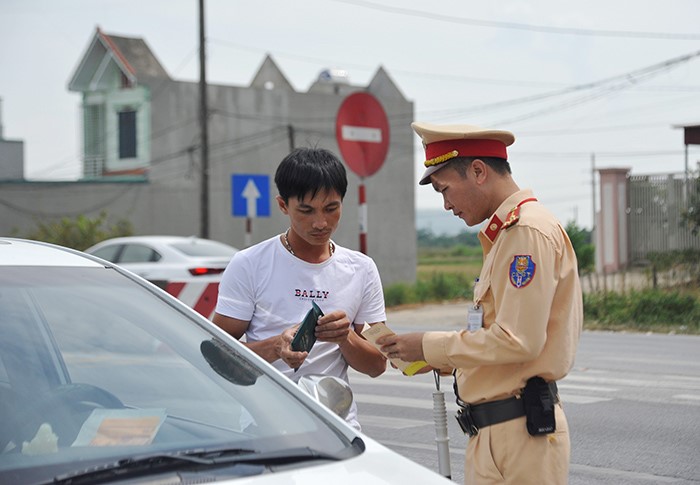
pixel 594 230
pixel 204 131
pixel 593 192
pixel 290 135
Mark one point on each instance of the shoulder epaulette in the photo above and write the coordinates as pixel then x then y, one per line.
pixel 512 218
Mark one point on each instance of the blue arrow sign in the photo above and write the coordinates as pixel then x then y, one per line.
pixel 250 195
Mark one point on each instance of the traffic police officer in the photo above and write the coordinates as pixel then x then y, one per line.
pixel 524 325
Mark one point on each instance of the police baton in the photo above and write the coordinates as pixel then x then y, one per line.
pixel 441 437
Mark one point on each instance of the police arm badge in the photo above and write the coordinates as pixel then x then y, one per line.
pixel 522 270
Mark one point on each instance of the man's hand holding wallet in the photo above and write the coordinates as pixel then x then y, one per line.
pixel 305 337
pixel 333 327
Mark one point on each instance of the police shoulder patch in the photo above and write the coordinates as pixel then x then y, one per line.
pixel 522 270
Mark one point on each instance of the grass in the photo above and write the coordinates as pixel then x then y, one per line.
pixel 463 260
pixel 442 275
pixel 448 274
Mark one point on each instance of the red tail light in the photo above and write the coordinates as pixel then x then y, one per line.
pixel 205 271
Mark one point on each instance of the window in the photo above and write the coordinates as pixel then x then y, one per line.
pixel 110 253
pixel 127 134
pixel 136 253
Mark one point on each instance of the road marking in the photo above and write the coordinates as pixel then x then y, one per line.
pixel 393 423
pixel 407 382
pixel 586 388
pixel 420 446
pixel 427 403
pixel 405 402
pixel 688 383
pixel 687 397
pixel 588 470
pixel 646 360
pixel 656 384
pixel 576 399
pixel 390 382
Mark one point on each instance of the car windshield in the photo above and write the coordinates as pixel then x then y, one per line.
pixel 199 248
pixel 95 368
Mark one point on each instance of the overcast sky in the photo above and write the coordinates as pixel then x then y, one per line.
pixel 571 79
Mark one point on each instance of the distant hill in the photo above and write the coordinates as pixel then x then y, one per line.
pixel 441 222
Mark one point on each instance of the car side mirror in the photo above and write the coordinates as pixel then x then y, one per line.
pixel 332 392
pixel 228 364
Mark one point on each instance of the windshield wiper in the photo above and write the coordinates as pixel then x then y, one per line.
pixel 190 460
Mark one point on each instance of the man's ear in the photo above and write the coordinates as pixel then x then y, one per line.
pixel 282 205
pixel 478 170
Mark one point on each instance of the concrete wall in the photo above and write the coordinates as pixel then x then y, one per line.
pixel 249 132
pixel 11 159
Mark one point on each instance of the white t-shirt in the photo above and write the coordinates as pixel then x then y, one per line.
pixel 273 289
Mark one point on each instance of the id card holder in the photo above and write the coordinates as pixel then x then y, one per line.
pixel 475 318
pixel 475 314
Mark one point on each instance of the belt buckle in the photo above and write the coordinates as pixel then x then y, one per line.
pixel 466 421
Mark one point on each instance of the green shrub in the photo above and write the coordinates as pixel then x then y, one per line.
pixel 398 294
pixel 79 233
pixel 606 307
pixel 654 307
pixel 423 291
pixel 440 287
pixel 643 309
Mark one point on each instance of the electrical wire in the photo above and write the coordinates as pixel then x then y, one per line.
pixel 518 26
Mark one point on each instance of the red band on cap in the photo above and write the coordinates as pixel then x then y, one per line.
pixel 467 148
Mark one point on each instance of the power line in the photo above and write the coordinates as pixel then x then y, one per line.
pixel 518 26
pixel 426 74
pixel 617 83
pixel 604 87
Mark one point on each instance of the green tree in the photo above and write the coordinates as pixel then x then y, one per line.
pixel 79 233
pixel 581 241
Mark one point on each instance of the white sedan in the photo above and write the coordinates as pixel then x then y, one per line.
pixel 166 258
pixel 105 378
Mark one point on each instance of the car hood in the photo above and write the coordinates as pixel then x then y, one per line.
pixel 377 465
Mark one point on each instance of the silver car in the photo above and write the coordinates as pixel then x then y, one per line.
pixel 106 378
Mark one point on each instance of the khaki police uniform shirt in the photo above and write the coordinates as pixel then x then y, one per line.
pixel 533 310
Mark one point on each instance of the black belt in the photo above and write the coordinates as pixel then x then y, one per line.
pixel 472 418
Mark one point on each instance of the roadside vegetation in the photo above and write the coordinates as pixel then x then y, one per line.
pixel 448 266
pixel 78 233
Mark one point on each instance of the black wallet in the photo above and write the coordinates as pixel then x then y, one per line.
pixel 305 338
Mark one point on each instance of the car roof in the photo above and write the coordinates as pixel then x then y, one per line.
pixel 23 252
pixel 154 240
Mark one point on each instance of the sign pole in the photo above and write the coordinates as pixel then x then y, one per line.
pixel 362 132
pixel 248 231
pixel 363 216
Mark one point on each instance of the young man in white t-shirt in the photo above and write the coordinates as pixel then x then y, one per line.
pixel 268 288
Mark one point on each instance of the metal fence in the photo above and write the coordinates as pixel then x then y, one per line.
pixel 655 222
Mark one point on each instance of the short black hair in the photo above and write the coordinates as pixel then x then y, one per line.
pixel 305 171
pixel 498 165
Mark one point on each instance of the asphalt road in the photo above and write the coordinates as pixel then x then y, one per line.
pixel 632 402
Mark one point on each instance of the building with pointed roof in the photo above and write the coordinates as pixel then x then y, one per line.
pixel 142 153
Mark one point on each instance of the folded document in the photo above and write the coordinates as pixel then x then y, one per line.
pixel 373 332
